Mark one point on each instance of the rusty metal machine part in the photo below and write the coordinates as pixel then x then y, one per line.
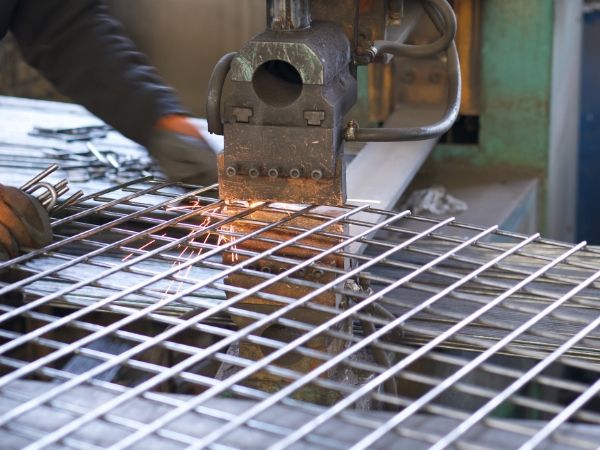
pixel 442 16
pixel 291 88
pixel 307 248
pixel 292 85
pixel 290 92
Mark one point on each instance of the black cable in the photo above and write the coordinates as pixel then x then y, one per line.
pixel 215 91
pixel 381 358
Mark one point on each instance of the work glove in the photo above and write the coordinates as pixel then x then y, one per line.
pixel 23 222
pixel 181 151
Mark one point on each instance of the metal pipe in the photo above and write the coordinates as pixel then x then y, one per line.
pixel 288 15
pixel 442 16
pixel 396 10
pixel 27 186
pixel 353 133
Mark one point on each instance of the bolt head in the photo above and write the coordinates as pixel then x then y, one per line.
pixel 318 273
pixel 273 173
pixel 295 173
pixel 316 174
pixel 231 171
pixel 253 172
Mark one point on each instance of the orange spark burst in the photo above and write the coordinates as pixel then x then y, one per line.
pixel 141 248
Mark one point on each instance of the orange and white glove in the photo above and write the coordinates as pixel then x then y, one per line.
pixel 181 151
pixel 23 222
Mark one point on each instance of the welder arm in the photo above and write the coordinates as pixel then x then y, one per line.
pixel 85 53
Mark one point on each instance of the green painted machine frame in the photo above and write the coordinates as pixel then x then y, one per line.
pixel 515 87
pixel 530 59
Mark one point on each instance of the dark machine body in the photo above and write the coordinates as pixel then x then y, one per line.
pixel 292 87
pixel 290 93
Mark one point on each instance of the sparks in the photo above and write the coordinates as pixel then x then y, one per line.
pixel 141 248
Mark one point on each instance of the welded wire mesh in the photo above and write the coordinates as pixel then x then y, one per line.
pixel 163 318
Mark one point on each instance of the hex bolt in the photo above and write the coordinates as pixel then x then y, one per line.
pixel 316 174
pixel 253 172
pixel 273 172
pixel 301 273
pixel 266 269
pixel 295 173
pixel 318 273
pixel 231 171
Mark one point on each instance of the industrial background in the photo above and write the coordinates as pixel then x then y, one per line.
pixel 383 263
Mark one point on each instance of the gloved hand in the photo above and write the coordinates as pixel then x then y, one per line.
pixel 23 222
pixel 181 151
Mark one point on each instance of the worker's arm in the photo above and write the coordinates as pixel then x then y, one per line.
pixel 84 52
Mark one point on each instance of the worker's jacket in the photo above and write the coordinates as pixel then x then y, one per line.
pixel 83 51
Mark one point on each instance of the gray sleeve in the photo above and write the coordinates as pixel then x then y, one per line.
pixel 84 52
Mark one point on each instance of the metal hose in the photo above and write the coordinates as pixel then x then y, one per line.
pixel 215 91
pixel 442 16
pixel 423 132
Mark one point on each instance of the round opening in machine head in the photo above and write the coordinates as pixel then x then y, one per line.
pixel 277 83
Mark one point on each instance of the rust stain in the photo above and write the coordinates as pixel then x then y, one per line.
pixel 327 191
pixel 290 289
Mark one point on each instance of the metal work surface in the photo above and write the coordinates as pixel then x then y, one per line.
pixel 163 318
pixel 89 165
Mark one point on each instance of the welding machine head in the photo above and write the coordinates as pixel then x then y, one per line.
pixel 291 87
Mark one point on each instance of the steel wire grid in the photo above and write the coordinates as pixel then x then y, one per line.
pixel 131 331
